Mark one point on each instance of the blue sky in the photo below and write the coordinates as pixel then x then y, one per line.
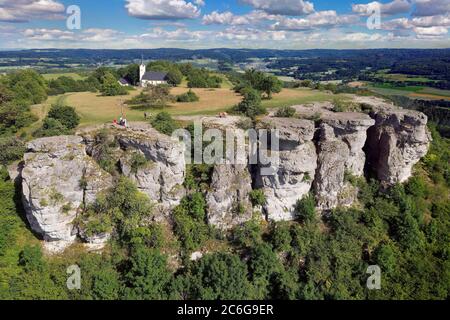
pixel 281 24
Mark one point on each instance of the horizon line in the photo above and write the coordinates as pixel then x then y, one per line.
pixel 216 48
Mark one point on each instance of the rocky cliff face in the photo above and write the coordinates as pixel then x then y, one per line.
pixel 162 177
pixel 58 179
pixel 340 141
pixel 60 175
pixel 295 170
pixel 396 143
pixel 228 199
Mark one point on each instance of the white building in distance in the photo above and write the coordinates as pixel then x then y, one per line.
pixel 151 78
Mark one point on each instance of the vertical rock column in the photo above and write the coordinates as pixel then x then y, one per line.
pixel 53 194
pixel 340 147
pixel 163 177
pixel 296 168
pixel 396 143
pixel 228 198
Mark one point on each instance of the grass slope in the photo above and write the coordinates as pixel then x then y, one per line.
pixel 96 109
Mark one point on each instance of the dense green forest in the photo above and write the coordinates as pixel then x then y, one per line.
pixel 405 230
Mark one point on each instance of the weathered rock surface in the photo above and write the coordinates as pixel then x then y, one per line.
pixel 57 179
pixel 230 122
pixel 228 199
pixel 239 151
pixel 295 170
pixel 162 178
pixel 397 141
pixel 340 143
pixel 96 242
pixel 349 127
pixel 329 182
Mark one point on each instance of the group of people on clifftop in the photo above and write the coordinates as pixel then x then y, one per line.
pixel 122 122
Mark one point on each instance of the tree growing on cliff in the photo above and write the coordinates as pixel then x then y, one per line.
pixel 190 222
pixel 164 123
pixel 305 208
pixel 12 149
pixel 122 209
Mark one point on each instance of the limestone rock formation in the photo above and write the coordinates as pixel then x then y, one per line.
pixel 348 127
pixel 334 154
pixel 60 175
pixel 228 199
pixel 95 180
pixel 96 242
pixel 163 175
pixel 397 141
pixel 340 144
pixel 57 180
pixel 295 169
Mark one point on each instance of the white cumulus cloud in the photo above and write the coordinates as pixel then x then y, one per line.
pixel 430 32
pixel 362 37
pixel 432 21
pixel 163 9
pixel 328 18
pixel 27 10
pixel 387 9
pixel 283 7
pixel 180 34
pixel 431 7
pixel 48 34
pixel 227 17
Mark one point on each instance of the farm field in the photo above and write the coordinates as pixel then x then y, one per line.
pixel 437 92
pixel 417 92
pixel 404 77
pixel 427 96
pixel 95 109
pixel 398 88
